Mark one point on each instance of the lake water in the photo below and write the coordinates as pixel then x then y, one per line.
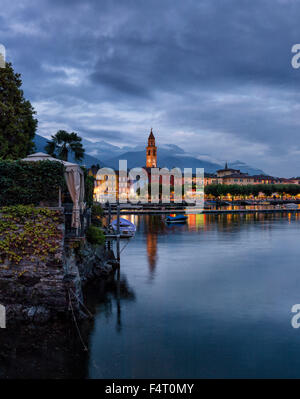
pixel 211 298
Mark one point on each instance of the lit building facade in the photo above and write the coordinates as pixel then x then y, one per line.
pixel 151 152
pixel 121 187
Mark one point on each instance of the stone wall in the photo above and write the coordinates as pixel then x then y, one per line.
pixel 39 288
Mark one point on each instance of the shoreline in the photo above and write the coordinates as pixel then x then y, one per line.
pixel 204 211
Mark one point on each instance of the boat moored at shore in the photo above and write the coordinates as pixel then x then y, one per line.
pixel 127 229
pixel 176 219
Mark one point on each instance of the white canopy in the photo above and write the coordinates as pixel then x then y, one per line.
pixel 75 181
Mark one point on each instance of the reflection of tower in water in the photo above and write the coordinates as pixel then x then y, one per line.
pixel 152 250
pixel 152 226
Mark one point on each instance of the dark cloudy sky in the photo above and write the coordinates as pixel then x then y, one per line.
pixel 212 76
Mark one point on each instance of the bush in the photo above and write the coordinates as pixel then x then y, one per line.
pixel 94 235
pixel 97 210
pixel 97 214
pixel 30 182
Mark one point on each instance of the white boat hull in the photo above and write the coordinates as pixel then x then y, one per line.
pixel 127 229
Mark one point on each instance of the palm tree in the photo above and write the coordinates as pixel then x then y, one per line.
pixel 62 143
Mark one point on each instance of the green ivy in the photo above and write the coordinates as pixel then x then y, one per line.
pixel 29 233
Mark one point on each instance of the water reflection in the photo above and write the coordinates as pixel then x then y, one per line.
pixel 104 295
pixel 154 226
pixel 219 306
pixel 51 351
pixel 55 350
pixel 152 251
pixel 151 225
pixel 206 222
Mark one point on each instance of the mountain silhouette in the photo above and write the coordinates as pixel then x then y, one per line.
pixel 168 155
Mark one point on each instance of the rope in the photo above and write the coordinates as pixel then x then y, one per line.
pixel 81 303
pixel 74 318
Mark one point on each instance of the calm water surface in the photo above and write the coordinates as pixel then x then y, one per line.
pixel 211 298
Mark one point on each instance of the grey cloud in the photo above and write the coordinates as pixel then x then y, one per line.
pixel 120 83
pixel 168 63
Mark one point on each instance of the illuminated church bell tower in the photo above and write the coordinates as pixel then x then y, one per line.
pixel 151 152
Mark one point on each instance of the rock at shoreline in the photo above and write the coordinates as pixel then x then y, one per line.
pixel 39 288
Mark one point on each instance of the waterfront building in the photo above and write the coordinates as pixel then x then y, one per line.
pixel 122 188
pixel 293 180
pixel 227 171
pixel 210 178
pixel 265 179
pixel 113 188
pixel 238 178
pixel 106 188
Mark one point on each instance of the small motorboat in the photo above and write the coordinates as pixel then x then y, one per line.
pixel 291 206
pixel 127 229
pixel 176 219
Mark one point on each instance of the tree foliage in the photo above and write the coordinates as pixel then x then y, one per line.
pixel 219 190
pixel 62 143
pixel 89 184
pixel 17 122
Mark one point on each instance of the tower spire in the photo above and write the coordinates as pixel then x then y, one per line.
pixel 151 135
